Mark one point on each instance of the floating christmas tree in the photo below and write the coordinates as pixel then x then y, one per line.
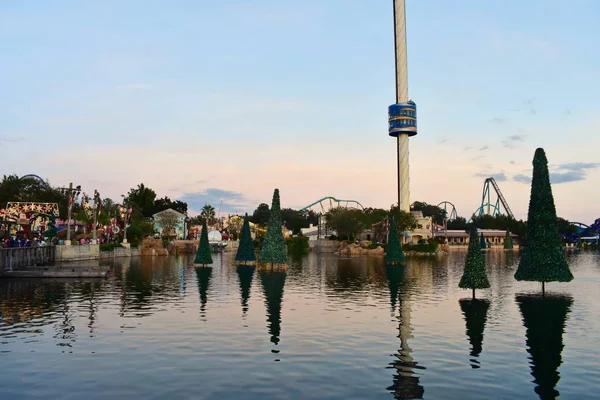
pixel 508 243
pixel 543 259
pixel 394 254
pixel 273 249
pixel 475 274
pixel 203 255
pixel 245 251
pixel 482 243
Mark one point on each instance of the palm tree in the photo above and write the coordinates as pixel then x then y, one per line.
pixel 208 213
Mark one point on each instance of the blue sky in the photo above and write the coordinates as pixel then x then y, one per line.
pixel 209 101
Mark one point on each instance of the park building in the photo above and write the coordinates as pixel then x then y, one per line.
pixel 493 237
pixel 171 220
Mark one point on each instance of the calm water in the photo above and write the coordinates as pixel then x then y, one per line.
pixel 329 328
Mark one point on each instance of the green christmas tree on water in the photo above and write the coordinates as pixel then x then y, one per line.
pixel 273 249
pixel 482 243
pixel 394 254
pixel 508 243
pixel 203 255
pixel 543 259
pixel 245 251
pixel 475 274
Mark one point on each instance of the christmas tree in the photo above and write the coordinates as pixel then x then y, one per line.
pixel 544 321
pixel 475 274
pixel 543 259
pixel 475 312
pixel 245 251
pixel 273 249
pixel 508 243
pixel 482 243
pixel 203 255
pixel 393 253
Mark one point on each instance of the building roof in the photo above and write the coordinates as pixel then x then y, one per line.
pixel 169 211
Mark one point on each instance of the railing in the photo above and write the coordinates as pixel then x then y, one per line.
pixel 14 258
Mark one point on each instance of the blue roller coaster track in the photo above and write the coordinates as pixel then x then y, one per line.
pixel 489 208
pixel 33 176
pixel 339 202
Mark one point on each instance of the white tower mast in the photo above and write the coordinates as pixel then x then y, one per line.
pixel 402 115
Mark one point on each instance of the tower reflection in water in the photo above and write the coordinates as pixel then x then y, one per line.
pixel 273 283
pixel 475 313
pixel 203 275
pixel 245 275
pixel 544 321
pixel 406 381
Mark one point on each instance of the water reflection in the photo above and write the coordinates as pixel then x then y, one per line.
pixel 475 313
pixel 245 275
pixel 406 382
pixel 544 320
pixel 203 275
pixel 273 283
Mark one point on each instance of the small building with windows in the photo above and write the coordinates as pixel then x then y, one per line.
pixel 170 219
pixel 424 229
pixel 493 237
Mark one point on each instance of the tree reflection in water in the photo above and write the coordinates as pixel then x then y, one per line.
pixel 203 275
pixel 475 313
pixel 245 275
pixel 273 283
pixel 406 382
pixel 544 321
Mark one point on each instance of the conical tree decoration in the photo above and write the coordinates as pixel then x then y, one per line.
pixel 203 255
pixel 245 251
pixel 393 254
pixel 482 243
pixel 508 243
pixel 475 312
pixel 475 274
pixel 273 249
pixel 543 259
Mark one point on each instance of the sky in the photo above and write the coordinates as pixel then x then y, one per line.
pixel 223 101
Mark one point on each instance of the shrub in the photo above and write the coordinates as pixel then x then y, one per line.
pixel 134 235
pixel 430 247
pixel 297 244
pixel 109 246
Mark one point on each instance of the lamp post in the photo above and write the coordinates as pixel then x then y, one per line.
pixel 123 209
pixel 72 192
pixel 96 208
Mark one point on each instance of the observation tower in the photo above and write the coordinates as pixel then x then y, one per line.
pixel 402 116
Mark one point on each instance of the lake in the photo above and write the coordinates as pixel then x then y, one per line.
pixel 329 328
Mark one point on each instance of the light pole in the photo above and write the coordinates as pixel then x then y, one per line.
pixel 96 208
pixel 72 192
pixel 124 210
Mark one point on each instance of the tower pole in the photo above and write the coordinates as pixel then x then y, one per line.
pixel 401 98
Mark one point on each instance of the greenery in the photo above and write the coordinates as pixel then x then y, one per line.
pixel 245 250
pixel 426 247
pixel 273 248
pixel 394 254
pixel 135 234
pixel 508 242
pixel 297 245
pixel 168 222
pixel 502 222
pixel 261 215
pixel 475 273
pixel 347 222
pixel 203 255
pixel 543 259
pixel 110 246
pixel 438 214
pixel 208 214
pixel 458 224
pixel 144 203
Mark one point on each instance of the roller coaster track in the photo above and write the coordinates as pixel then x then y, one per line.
pixel 489 208
pixel 332 200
